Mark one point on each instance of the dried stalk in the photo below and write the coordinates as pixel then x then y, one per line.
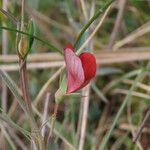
pixel 136 137
pixel 104 53
pixel 4 86
pixel 86 92
pixel 121 7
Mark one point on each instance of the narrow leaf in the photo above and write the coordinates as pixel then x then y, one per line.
pixel 86 26
pixel 7 119
pixel 51 46
pixel 109 133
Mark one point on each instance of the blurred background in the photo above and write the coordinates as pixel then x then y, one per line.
pixel 120 41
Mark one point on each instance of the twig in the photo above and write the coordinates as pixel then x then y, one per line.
pixel 129 127
pixel 142 126
pixel 129 117
pixel 116 28
pixel 86 91
pixel 133 35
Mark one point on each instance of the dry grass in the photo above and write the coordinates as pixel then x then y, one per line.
pixel 119 39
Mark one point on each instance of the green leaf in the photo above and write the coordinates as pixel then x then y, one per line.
pixel 30 39
pixel 87 25
pixel 51 46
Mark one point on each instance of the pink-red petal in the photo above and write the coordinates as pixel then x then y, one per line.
pixel 75 73
pixel 89 65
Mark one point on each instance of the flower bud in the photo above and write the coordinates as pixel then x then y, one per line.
pixel 22 47
pixel 26 42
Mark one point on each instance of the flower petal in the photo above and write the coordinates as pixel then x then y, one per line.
pixel 89 65
pixel 75 73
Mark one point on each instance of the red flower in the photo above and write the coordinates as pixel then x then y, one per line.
pixel 80 69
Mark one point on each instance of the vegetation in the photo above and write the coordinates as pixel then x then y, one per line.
pixel 112 112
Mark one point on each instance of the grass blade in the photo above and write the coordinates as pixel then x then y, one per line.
pixel 7 119
pixel 15 90
pixel 108 135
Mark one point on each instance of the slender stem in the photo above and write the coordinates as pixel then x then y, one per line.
pixel 37 139
pixel 136 137
pixel 22 63
pixel 23 82
pixel 25 93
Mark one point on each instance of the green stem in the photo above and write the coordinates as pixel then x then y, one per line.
pixel 23 82
pixel 24 87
